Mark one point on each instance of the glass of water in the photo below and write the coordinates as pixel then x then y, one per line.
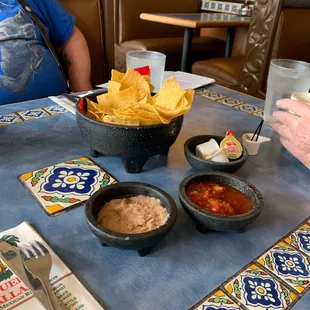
pixel 156 61
pixel 285 78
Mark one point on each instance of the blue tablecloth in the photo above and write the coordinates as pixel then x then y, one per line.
pixel 187 265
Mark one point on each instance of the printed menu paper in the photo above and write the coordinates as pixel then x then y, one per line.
pixel 15 295
pixel 188 80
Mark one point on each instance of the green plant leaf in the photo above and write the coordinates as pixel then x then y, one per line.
pixel 11 239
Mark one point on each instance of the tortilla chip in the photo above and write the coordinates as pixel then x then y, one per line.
pixel 117 76
pixel 111 119
pixel 143 112
pixel 190 94
pixel 110 102
pixel 170 84
pixel 114 87
pixel 93 116
pixel 129 101
pixel 134 79
pixel 169 98
pixel 148 79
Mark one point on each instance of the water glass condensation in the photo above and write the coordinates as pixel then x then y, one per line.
pixel 156 61
pixel 285 78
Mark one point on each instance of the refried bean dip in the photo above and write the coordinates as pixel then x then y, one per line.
pixel 133 215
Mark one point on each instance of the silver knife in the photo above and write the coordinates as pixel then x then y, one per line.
pixel 11 257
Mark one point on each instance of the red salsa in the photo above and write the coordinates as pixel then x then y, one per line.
pixel 220 199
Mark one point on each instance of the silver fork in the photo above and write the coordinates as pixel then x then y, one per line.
pixel 38 261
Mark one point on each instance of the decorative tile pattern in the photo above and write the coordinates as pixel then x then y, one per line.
pixel 233 103
pixel 217 300
pixel 55 109
pixel 210 94
pixel 230 101
pixel 259 113
pixel 18 117
pixel 227 7
pixel 300 239
pixel 221 6
pixel 277 279
pixel 289 265
pixel 235 8
pixel 60 187
pixel 33 114
pixel 246 107
pixel 256 289
pixel 205 5
pixel 10 118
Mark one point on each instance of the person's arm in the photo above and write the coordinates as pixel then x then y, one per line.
pixel 294 129
pixel 76 55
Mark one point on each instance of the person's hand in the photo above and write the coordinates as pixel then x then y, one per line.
pixel 294 129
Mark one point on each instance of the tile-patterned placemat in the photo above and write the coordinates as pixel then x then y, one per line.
pixel 221 6
pixel 61 187
pixel 233 103
pixel 28 115
pixel 277 279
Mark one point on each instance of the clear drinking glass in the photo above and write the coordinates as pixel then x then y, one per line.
pixel 156 61
pixel 285 78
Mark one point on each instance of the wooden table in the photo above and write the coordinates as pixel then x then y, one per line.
pixel 196 21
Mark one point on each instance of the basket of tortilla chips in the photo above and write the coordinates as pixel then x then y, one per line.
pixel 131 123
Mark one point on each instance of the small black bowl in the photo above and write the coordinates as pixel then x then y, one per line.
pixel 143 242
pixel 208 165
pixel 133 144
pixel 210 221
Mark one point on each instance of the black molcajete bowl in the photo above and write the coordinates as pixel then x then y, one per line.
pixel 133 144
pixel 208 165
pixel 143 242
pixel 210 221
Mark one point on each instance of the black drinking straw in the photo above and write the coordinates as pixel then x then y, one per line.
pixel 258 130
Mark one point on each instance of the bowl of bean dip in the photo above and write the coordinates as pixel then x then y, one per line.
pixel 131 215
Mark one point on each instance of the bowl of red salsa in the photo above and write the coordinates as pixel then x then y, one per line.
pixel 220 201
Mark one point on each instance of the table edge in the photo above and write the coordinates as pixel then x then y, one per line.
pixel 153 17
pixel 168 20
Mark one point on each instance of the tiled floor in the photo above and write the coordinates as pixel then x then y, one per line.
pixel 275 280
pixel 63 186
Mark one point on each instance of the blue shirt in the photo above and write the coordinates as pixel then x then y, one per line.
pixel 27 68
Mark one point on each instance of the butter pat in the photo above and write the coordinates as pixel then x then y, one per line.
pixel 207 149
